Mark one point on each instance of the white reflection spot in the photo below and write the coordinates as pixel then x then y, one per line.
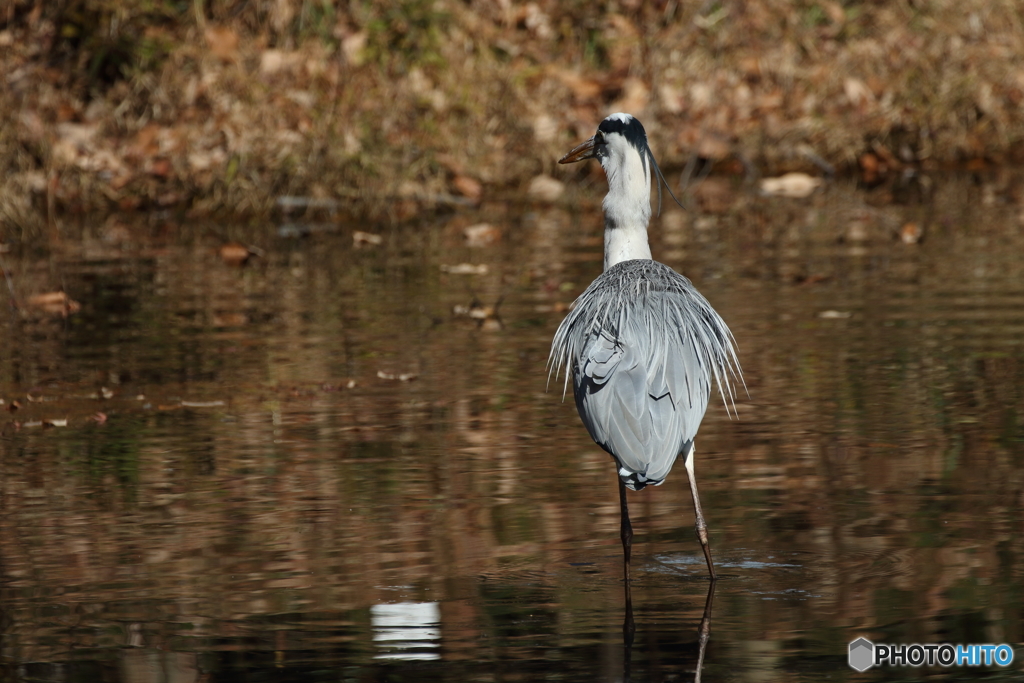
pixel 406 630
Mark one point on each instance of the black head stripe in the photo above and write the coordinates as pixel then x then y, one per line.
pixel 628 127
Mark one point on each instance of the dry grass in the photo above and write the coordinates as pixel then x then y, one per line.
pixel 147 105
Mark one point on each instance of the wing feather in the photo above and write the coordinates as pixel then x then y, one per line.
pixel 643 346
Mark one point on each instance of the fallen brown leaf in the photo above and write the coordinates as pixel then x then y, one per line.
pixel 223 43
pixel 557 307
pixel 871 167
pixel 236 254
pixel 230 319
pixel 911 233
pixel 274 62
pixel 474 311
pixel 465 269
pixel 486 317
pixel 857 92
pixel 57 303
pixel 796 185
pixel 146 142
pixel 401 377
pixel 468 186
pixel 353 46
pixel 360 238
pixel 481 234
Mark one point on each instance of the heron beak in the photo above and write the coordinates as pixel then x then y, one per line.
pixel 579 153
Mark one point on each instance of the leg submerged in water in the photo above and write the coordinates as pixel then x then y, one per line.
pixel 699 523
pixel 626 530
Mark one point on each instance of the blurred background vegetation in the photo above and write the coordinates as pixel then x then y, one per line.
pixel 223 106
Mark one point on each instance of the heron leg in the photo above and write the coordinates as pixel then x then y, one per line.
pixel 701 525
pixel 625 529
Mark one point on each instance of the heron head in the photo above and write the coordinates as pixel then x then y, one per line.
pixel 619 137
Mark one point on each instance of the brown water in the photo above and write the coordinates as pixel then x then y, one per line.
pixel 257 503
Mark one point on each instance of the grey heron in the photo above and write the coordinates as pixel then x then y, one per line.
pixel 641 344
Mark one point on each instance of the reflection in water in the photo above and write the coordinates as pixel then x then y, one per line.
pixel 255 489
pixel 406 630
pixel 704 630
pixel 629 633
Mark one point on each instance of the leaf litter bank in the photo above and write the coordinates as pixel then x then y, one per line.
pixel 384 108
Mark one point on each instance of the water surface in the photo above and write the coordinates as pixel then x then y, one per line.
pixel 339 462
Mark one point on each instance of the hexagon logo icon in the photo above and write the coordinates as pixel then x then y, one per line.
pixel 862 654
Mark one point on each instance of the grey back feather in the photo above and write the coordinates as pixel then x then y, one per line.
pixel 643 347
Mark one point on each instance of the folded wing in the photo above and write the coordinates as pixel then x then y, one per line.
pixel 640 388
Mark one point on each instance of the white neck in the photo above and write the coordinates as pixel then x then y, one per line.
pixel 627 207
